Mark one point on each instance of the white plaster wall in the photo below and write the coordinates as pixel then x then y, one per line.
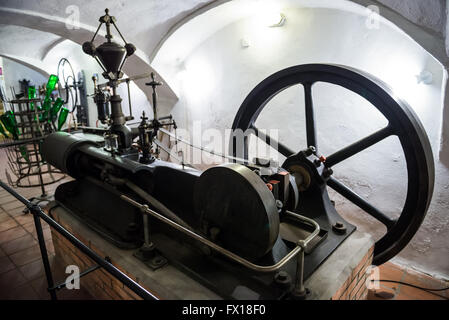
pixel 13 72
pixel 216 76
pixel 32 43
pixel 447 27
pixel 429 13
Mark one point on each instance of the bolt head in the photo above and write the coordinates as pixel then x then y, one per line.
pixel 339 227
pixel 283 279
pixel 281 276
pixel 279 204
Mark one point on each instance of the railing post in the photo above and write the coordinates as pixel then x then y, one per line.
pixel 40 238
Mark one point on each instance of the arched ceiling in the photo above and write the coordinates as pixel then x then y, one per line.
pixel 141 21
pixel 29 30
pixel 24 39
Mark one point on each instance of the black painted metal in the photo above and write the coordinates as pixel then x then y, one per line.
pixel 402 121
pixel 81 198
pixel 223 194
pixel 43 249
pixel 92 200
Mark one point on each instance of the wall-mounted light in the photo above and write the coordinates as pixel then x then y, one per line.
pixel 277 20
pixel 269 15
pixel 425 77
pixel 244 42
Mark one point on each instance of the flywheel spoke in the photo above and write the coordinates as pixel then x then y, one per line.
pixel 310 116
pixel 360 202
pixel 284 150
pixel 358 146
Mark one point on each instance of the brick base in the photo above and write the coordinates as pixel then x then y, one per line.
pixel 99 283
pixel 355 287
pixel 103 286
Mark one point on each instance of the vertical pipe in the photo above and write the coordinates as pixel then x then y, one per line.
pixel 129 99
pixel 299 285
pixel 43 248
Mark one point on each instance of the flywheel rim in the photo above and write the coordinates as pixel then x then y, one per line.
pixel 403 123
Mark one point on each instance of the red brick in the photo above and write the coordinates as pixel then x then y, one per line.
pixel 360 283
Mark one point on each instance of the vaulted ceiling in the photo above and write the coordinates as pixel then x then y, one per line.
pixel 30 30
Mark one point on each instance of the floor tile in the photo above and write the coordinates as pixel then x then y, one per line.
pixel 23 292
pixel 415 294
pixel 18 244
pixel 423 281
pixel 11 234
pixel 15 212
pixel 33 270
pixel 4 216
pixel 45 231
pixel 6 264
pixel 40 285
pixel 29 227
pixel 78 294
pixel 7 200
pixel 26 256
pixel 24 218
pixel 11 279
pixel 50 247
pixel 389 271
pixel 3 192
pixel 8 224
pixel 12 205
pixel 381 294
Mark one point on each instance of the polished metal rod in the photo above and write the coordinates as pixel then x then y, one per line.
pixel 223 251
pixel 312 222
pixel 212 152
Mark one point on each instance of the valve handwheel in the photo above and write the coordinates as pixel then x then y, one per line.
pixel 402 122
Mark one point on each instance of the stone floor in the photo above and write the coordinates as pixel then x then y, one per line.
pixel 22 275
pixel 394 291
pixel 21 269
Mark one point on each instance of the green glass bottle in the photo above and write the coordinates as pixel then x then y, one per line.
pixel 3 132
pixel 24 153
pixel 51 84
pixel 62 117
pixel 55 109
pixel 31 95
pixel 9 122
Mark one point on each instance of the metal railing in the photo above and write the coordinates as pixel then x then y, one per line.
pixel 39 214
pixel 301 245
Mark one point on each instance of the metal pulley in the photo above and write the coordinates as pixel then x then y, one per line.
pixel 237 210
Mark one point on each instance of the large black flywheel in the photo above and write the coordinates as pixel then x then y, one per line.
pixel 402 123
